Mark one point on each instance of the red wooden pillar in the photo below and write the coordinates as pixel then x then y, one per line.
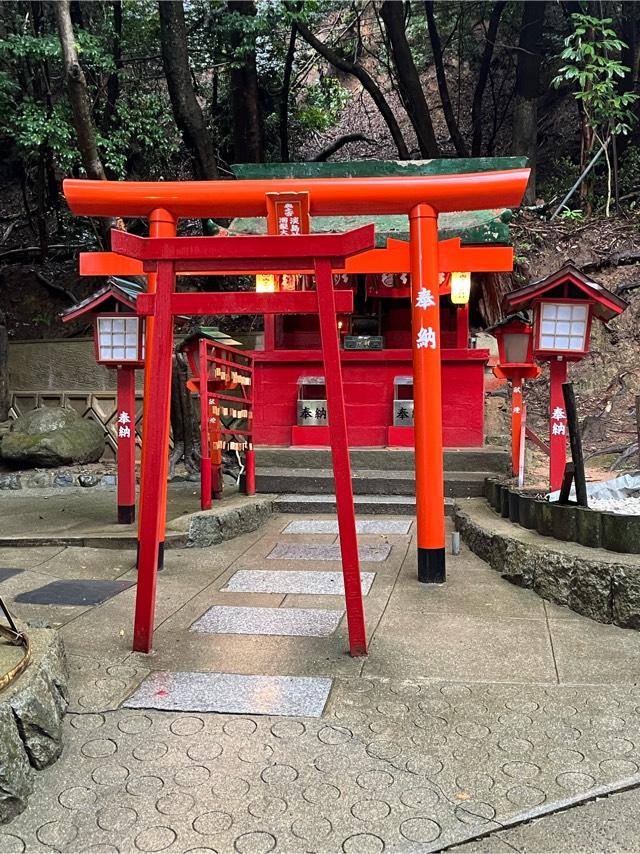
pixel 462 327
pixel 126 425
pixel 557 423
pixel 516 422
pixel 206 488
pixel 162 223
pixel 340 458
pixel 155 439
pixel 427 393
pixel 250 470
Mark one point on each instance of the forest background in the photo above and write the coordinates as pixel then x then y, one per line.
pixel 135 89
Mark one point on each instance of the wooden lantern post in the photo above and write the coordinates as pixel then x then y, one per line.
pixel 564 305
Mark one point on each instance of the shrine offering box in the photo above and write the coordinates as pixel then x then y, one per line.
pixel 403 402
pixel 312 402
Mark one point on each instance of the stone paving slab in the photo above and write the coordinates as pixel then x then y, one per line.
pixel 232 693
pixel 8 572
pixel 292 581
pixel 80 562
pixel 440 646
pixel 306 622
pixel 73 592
pixel 363 526
pixel 316 551
pixel 399 766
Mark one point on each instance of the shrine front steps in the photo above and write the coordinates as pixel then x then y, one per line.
pixel 486 459
pixel 365 505
pixel 366 482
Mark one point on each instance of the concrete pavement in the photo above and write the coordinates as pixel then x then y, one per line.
pixel 478 702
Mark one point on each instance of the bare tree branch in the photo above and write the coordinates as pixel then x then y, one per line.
pixel 357 71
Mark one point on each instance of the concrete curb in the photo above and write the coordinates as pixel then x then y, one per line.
pixel 591 582
pixel 31 712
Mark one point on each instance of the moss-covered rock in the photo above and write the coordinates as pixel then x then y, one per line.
pixel 52 436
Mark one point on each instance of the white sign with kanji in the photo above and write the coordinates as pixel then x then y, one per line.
pixel 426 338
pixel 424 299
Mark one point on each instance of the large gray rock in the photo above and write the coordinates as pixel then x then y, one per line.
pixel 16 777
pixel 31 712
pixel 39 721
pixel 52 436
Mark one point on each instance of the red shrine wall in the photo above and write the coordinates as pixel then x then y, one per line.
pixel 368 389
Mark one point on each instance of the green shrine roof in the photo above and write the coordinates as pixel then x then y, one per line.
pixel 212 333
pixel 377 168
pixel 472 227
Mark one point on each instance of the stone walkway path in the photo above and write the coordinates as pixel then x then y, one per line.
pixel 478 703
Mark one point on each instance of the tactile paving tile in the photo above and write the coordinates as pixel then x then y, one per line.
pixel 232 693
pixel 319 551
pixel 363 526
pixel 8 572
pixel 291 581
pixel 74 592
pixel 303 622
pixel 394 766
pixel 100 683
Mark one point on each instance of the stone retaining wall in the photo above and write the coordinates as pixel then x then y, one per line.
pixel 31 712
pixel 592 582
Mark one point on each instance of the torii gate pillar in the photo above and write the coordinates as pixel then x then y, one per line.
pixel 427 393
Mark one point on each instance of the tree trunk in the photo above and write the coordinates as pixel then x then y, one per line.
pixel 113 81
pixel 483 76
pixel 443 88
pixel 284 95
pixel 246 110
pixel 186 109
pixel 368 84
pixel 4 370
pixel 78 97
pixel 409 84
pixel 524 136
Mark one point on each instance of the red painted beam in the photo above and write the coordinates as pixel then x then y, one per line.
pixel 327 196
pixel 247 302
pixel 280 248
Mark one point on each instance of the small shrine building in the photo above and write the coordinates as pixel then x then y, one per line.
pixel 376 339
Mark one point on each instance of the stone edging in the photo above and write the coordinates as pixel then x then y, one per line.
pixel 55 479
pixel 615 532
pixel 591 582
pixel 31 712
pixel 210 527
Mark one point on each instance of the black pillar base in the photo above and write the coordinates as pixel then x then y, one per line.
pixel 431 566
pixel 160 554
pixel 126 514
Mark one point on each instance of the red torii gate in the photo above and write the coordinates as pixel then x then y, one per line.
pixel 421 198
pixel 167 256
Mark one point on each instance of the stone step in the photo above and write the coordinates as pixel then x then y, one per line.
pixel 310 481
pixel 365 505
pixel 486 459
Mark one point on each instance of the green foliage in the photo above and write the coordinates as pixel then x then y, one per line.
pixel 34 126
pixel 572 215
pixel 591 65
pixel 321 105
pixel 143 126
